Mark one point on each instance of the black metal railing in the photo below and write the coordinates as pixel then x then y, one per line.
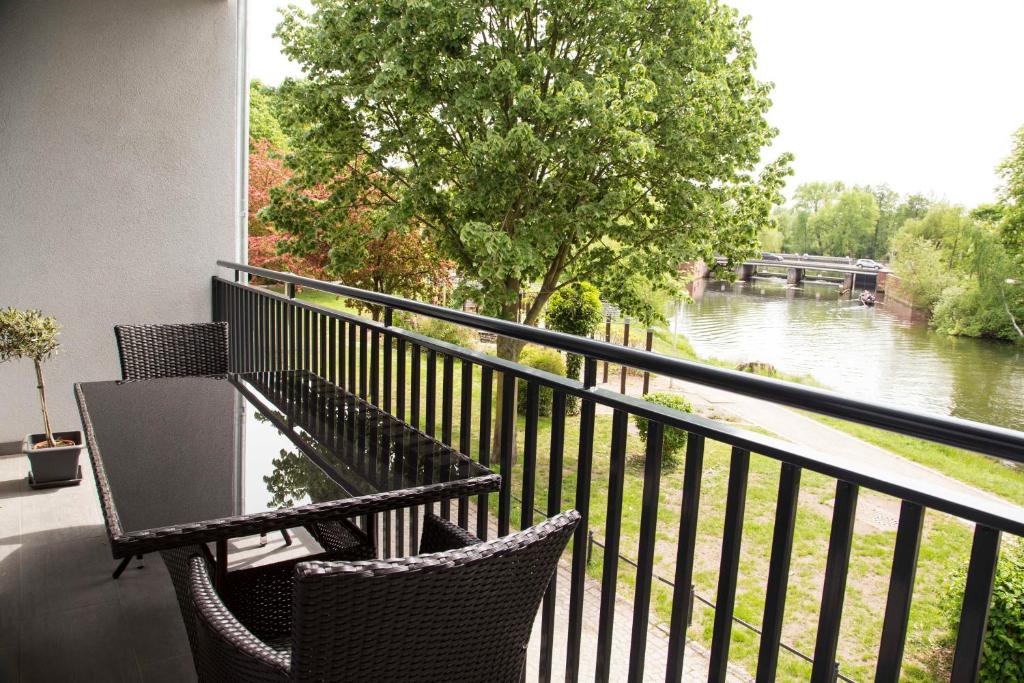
pixel 384 364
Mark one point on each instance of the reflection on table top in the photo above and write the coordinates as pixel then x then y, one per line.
pixel 179 451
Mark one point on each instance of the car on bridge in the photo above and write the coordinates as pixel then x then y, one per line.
pixel 768 256
pixel 868 263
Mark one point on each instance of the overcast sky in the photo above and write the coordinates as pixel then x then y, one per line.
pixel 920 94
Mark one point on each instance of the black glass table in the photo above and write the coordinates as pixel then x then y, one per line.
pixel 203 459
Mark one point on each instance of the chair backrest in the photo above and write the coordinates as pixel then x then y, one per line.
pixel 151 351
pixel 463 614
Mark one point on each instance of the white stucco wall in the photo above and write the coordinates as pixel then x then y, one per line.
pixel 119 182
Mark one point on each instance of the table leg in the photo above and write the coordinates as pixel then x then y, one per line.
pixel 222 564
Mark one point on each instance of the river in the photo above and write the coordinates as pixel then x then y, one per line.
pixel 862 352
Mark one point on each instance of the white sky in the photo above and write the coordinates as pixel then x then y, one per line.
pixel 920 94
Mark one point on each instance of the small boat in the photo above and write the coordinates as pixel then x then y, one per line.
pixel 867 298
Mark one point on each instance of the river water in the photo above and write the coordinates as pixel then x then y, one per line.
pixel 862 352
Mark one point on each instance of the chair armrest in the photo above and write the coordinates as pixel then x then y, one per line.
pixel 225 649
pixel 440 535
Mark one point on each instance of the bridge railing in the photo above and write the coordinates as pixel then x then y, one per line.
pixel 397 369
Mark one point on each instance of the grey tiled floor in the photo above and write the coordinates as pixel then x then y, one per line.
pixel 62 617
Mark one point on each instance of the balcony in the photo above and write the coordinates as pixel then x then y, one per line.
pixel 656 582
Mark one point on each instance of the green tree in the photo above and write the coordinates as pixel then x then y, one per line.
pixel 538 142
pixel 888 203
pixel 947 227
pixel 846 226
pixel 921 268
pixel 263 117
pixel 1011 198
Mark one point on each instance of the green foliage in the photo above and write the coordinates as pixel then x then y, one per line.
pixel 263 119
pixel 921 269
pixel 30 334
pixel 1002 655
pixel 446 332
pixel 1012 200
pixel 537 142
pixel 827 218
pixel 544 359
pixel 675 439
pixel 640 296
pixel 845 227
pixel 574 309
pixel 27 334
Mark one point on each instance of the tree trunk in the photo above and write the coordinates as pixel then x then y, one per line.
pixel 42 403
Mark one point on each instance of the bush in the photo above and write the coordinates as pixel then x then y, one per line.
pixel 675 439
pixel 574 309
pixel 540 358
pixel 446 332
pixel 1002 656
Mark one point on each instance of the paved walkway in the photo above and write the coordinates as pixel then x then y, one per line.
pixel 798 429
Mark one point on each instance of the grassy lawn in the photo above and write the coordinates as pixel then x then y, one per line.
pixel 945 545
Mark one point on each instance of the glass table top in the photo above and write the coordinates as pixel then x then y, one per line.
pixel 192 449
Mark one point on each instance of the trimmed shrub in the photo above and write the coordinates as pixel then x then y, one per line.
pixel 675 439
pixel 574 309
pixel 446 332
pixel 1002 655
pixel 547 360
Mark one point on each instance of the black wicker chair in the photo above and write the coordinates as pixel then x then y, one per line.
pixel 186 350
pixel 463 611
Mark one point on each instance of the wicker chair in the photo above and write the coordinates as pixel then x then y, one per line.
pixel 188 350
pixel 462 611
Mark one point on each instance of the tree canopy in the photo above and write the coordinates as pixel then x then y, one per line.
pixel 545 142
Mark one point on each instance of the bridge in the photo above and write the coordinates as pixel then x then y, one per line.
pixel 796 267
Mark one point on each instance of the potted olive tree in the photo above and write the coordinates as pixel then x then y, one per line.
pixel 53 457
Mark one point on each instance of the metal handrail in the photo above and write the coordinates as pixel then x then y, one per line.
pixel 959 433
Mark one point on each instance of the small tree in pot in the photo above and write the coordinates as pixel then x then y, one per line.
pixel 30 334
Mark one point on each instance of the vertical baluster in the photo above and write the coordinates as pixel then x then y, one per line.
pixel 353 348
pixel 901 590
pixel 400 380
pixel 778 571
pixel 364 334
pixel 837 565
pixel 447 380
pixel 332 350
pixel 736 499
pixel 981 575
pixel 375 368
pixel 579 543
pixel 465 431
pixel 612 533
pixel 414 408
pixel 530 455
pixel 431 402
pixel 414 395
pixel 484 448
pixel 400 414
pixel 645 549
pixel 307 344
pixel 682 593
pixel 324 370
pixel 508 436
pixel 388 320
pixel 339 352
pixel 556 451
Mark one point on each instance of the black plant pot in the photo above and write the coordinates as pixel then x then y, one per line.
pixel 53 466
